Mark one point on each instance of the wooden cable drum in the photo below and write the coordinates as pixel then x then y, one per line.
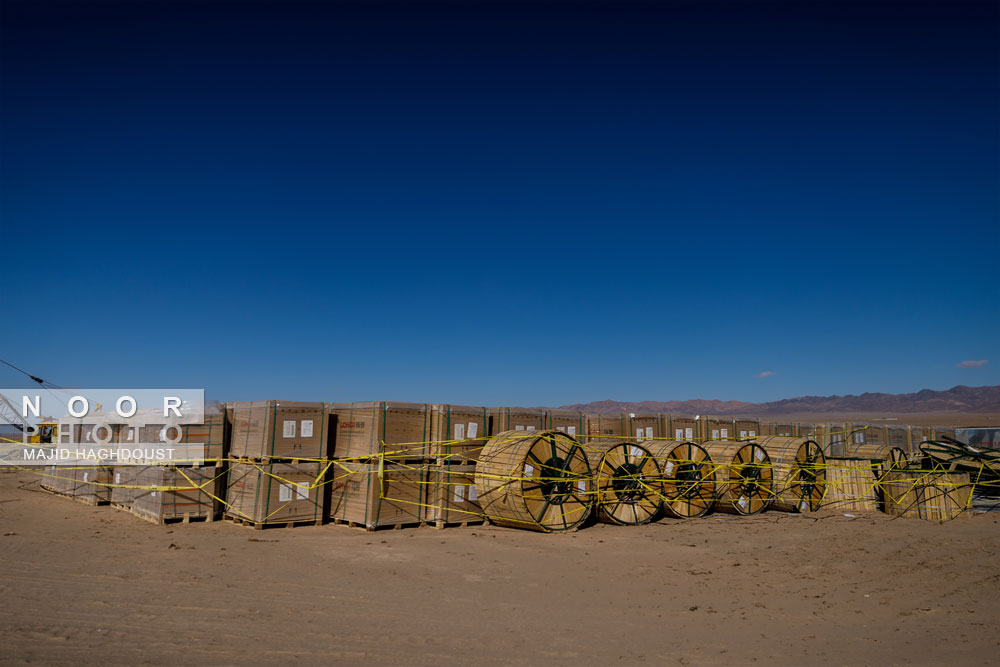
pixel 539 480
pixel 688 477
pixel 799 472
pixel 743 476
pixel 628 485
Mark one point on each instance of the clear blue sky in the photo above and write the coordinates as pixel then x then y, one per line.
pixel 516 203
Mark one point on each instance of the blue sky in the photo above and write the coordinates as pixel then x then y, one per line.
pixel 501 203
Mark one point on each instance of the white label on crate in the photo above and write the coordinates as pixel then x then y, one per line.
pixel 715 434
pixel 742 502
pixel 518 428
pixel 301 492
pixel 758 454
pixel 473 430
pixel 88 436
pixel 753 434
pixel 561 428
pixel 284 493
pixel 743 434
pixel 581 486
pixel 689 433
pixel 472 493
pixel 459 494
pixel 649 432
pixel 635 451
pixel 86 476
pixel 531 428
pixel 163 434
pixel 571 430
pixel 860 437
pixel 153 494
pixel 678 434
pixel 529 470
pixel 459 432
pixel 131 435
pixel 288 429
pixel 118 478
pixel 669 468
pixel 639 432
pixel 307 428
pixel 724 434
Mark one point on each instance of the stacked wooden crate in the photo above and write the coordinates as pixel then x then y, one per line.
pixel 746 429
pixel 279 463
pixel 383 457
pixel 717 428
pixel 459 433
pixel 191 487
pixel 682 429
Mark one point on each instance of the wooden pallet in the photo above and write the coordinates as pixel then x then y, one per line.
pixel 187 518
pixel 458 524
pixel 260 525
pixel 371 527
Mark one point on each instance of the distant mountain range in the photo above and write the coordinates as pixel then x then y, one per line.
pixel 960 399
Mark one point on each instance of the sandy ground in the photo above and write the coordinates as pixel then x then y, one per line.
pixel 97 585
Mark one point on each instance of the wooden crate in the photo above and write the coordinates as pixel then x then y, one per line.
pixel 277 493
pixel 280 430
pixel 851 484
pixel 123 480
pixel 173 493
pixel 452 495
pixel 373 496
pixel 716 428
pixel 681 429
pixel 643 427
pixel 458 432
pixel 570 422
pixel 517 419
pixel 746 429
pixel 213 434
pixel 606 429
pixel 402 431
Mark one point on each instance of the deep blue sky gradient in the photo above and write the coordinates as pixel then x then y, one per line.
pixel 501 203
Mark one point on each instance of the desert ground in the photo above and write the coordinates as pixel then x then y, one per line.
pixel 91 585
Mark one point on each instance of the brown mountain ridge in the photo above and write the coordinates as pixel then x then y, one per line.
pixel 958 399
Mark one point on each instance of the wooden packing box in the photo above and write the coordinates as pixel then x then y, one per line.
pixel 452 495
pixel 606 428
pixel 277 493
pixel 570 422
pixel 405 428
pixel 89 483
pixel 176 492
pixel 59 479
pixel 682 429
pixel 517 419
pixel 917 435
pixel 851 484
pixel 643 427
pixel 280 430
pixel 746 429
pixel 785 429
pixel 361 496
pixel 717 428
pixel 213 434
pixel 458 432
pixel 123 478
pixel 898 436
